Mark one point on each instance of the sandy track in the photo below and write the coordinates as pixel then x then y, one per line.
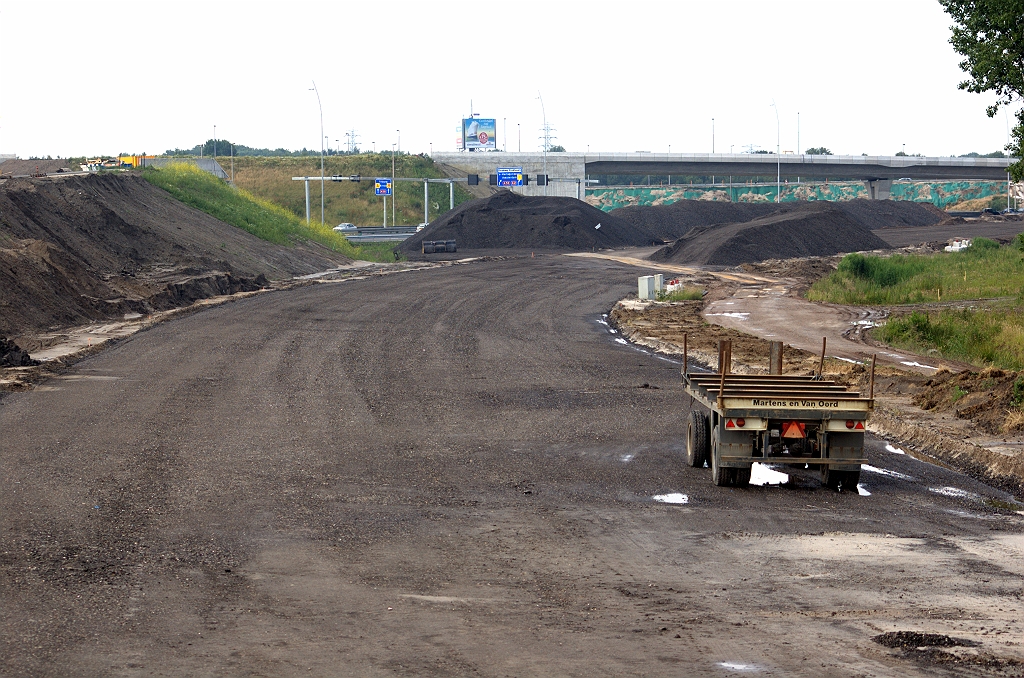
pixel 451 472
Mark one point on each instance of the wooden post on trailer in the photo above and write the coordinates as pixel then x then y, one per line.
pixel 775 357
pixel 871 392
pixel 821 364
pixel 724 365
pixel 684 356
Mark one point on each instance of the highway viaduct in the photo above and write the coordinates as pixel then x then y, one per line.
pixel 568 171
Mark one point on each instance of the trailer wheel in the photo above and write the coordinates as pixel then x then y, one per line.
pixel 830 478
pixel 850 480
pixel 697 439
pixel 721 476
pixel 741 476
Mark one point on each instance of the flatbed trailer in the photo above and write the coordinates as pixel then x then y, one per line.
pixel 775 419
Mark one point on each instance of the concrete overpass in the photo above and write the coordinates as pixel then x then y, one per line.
pixel 877 172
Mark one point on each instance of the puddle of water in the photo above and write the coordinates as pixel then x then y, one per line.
pixel 765 475
pixel 735 666
pixel 885 472
pixel 894 450
pixel 672 498
pixel 741 316
pixel 952 492
pixel 846 360
pixel 861 491
pixel 626 458
pixel 911 363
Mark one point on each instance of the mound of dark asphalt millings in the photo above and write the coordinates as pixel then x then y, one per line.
pixel 508 220
pixel 804 230
pixel 675 220
pixel 11 355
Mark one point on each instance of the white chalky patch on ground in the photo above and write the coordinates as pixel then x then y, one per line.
pixel 672 498
pixel 620 340
pixel 885 472
pixel 626 458
pixel 730 315
pixel 862 492
pixel 764 475
pixel 911 363
pixel 894 450
pixel 733 666
pixel 952 492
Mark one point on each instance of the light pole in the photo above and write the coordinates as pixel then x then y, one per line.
pixel 431 149
pixel 778 157
pixel 520 130
pixel 399 140
pixel 394 194
pixel 712 136
pixel 545 117
pixel 215 143
pixel 504 125
pixel 321 151
pixel 337 147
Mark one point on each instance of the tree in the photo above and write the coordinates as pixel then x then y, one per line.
pixel 556 149
pixel 990 34
pixel 818 150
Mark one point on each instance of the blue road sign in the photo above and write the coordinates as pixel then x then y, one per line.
pixel 382 186
pixel 510 176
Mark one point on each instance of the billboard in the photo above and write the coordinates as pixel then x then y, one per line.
pixel 479 133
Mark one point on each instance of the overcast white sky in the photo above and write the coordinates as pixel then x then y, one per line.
pixel 89 78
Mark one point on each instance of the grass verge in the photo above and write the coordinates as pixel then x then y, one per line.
pixel 258 216
pixel 992 335
pixel 983 271
pixel 683 294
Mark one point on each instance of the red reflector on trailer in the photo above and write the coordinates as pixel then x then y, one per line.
pixel 741 422
pixel 793 429
pixel 860 425
pixel 849 423
pixel 730 424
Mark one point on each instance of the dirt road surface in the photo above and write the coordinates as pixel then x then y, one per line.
pixel 454 472
pixel 772 311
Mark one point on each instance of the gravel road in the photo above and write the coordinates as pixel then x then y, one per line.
pixel 453 472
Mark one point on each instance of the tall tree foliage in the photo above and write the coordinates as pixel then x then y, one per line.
pixel 990 34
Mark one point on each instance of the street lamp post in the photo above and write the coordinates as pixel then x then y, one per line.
pixel 778 157
pixel 321 151
pixel 519 129
pixel 545 118
pixel 399 140
pixel 394 194
pixel 215 143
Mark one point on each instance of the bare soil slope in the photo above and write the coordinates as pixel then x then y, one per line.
pixel 815 229
pixel 507 220
pixel 79 249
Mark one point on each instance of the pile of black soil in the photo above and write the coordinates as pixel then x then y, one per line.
pixel 82 249
pixel 907 639
pixel 11 355
pixel 875 214
pixel 669 222
pixel 674 221
pixel 814 229
pixel 508 220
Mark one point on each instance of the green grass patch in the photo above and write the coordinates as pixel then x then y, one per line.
pixel 992 336
pixel 258 216
pixel 983 271
pixel 347 201
pixel 683 294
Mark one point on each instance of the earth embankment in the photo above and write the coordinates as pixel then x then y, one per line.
pixel 81 249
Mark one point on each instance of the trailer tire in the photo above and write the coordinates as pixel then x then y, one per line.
pixel 721 476
pixel 697 440
pixel 831 478
pixel 741 476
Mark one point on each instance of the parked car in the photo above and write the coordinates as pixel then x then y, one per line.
pixel 989 210
pixel 345 227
